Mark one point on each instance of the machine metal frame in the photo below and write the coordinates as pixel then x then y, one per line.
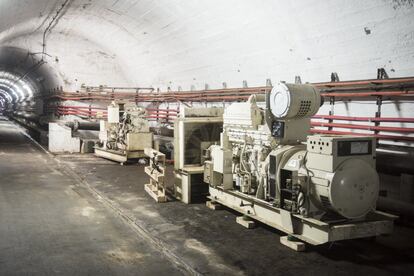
pixel 310 230
pixel 316 189
pixel 185 173
pixel 118 156
pixel 125 134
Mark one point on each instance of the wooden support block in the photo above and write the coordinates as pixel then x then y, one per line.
pixel 214 205
pixel 293 244
pixel 155 193
pixel 246 222
pixel 156 172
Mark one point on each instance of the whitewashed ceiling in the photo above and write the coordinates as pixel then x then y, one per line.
pixel 175 43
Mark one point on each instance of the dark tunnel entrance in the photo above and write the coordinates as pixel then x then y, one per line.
pixel 25 78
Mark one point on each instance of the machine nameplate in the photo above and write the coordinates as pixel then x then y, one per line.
pixel 360 147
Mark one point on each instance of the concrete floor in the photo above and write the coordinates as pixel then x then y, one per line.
pixel 79 214
pixel 49 224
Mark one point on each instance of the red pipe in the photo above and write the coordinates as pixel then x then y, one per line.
pixel 92 109
pixel 74 112
pixel 77 113
pixel 161 109
pixel 162 112
pixel 367 119
pixel 157 116
pixel 200 97
pixel 373 128
pixel 81 107
pixel 78 108
pixel 369 94
pixel 364 82
pixel 379 136
pixel 235 93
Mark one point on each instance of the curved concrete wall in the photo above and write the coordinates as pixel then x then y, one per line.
pixel 176 43
pixel 182 43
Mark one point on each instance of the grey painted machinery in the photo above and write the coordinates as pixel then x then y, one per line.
pixel 315 188
pixel 125 134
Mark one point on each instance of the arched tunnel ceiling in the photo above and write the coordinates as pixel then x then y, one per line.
pixel 175 43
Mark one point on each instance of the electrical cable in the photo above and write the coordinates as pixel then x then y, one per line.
pixel 37 65
pixel 49 27
pixel 307 180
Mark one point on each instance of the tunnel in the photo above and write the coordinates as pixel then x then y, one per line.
pixel 25 79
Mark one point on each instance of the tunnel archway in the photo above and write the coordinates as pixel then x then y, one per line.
pixel 24 78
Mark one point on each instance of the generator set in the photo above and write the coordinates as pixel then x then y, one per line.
pixel 315 188
pixel 125 134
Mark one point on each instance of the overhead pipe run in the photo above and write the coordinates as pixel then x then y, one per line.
pixel 366 119
pixel 164 115
pixel 378 136
pixel 364 82
pixel 404 87
pixel 82 125
pixel 377 90
pixel 170 114
pixel 370 94
pixel 364 127
pixel 192 96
